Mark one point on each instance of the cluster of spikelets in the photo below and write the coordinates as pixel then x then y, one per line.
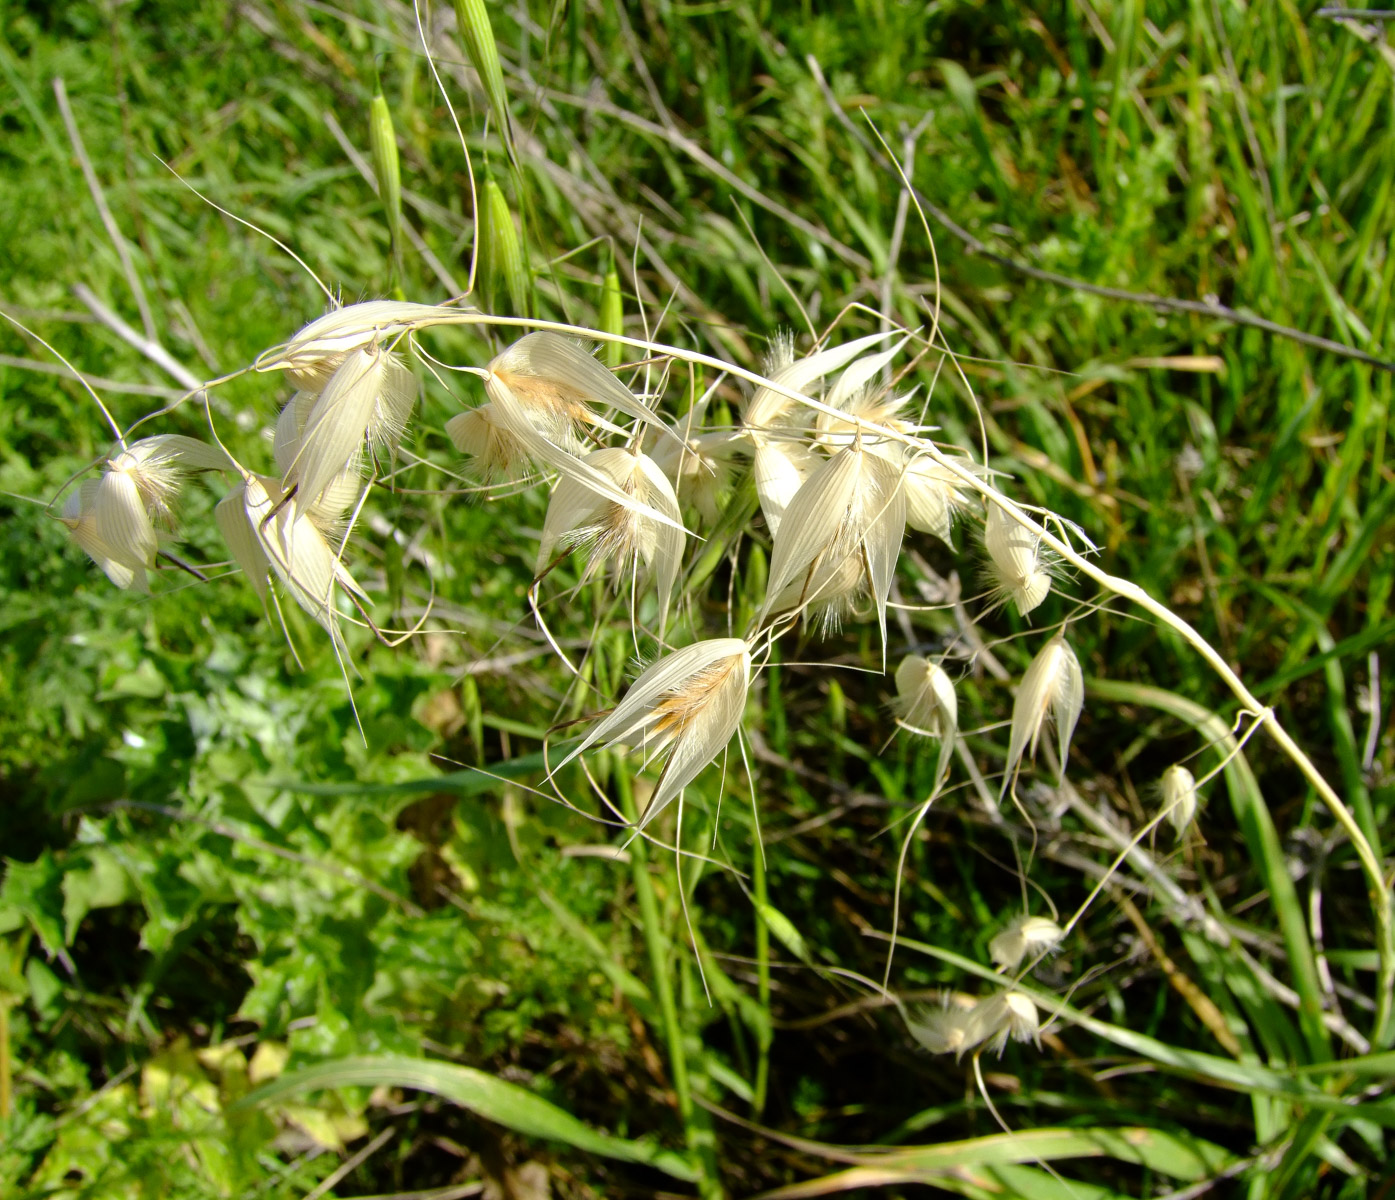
pixel 841 467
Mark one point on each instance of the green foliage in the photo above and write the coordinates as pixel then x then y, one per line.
pixel 218 869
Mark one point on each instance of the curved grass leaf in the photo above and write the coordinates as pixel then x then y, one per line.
pixel 504 1103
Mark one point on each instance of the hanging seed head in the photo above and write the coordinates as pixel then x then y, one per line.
pixel 497 453
pixel 943 1030
pixel 1017 563
pixel 935 496
pixel 699 468
pixel 925 704
pixel 562 388
pixel 840 535
pixel 113 519
pixel 997 1018
pixel 125 567
pixel 1024 937
pixel 684 708
pixel 315 353
pixel 241 538
pixel 577 515
pixel 1179 799
pixel 367 402
pixel 780 469
pixel 299 554
pixel 769 410
pixel 1053 687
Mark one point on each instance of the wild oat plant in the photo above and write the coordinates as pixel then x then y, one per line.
pixel 716 538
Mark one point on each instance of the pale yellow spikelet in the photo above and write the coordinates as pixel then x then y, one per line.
pixel 926 704
pixel 1004 1015
pixel 315 353
pixel 498 454
pixel 79 515
pixel 943 1030
pixel 1024 937
pixel 1179 798
pixel 780 469
pixel 685 707
pixel 367 401
pixel 771 410
pixel 1016 561
pixel 114 518
pixel 302 558
pixel 1053 687
pixel 242 540
pixel 844 524
pixel 577 515
pixel 698 462
pixel 563 388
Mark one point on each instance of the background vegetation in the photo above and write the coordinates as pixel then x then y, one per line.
pixel 214 879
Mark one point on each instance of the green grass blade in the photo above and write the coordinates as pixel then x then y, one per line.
pixel 504 1103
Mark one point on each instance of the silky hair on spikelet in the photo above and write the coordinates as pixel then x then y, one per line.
pixel 1022 938
pixel 113 519
pixel 925 704
pixel 577 515
pixel 1053 688
pixel 685 708
pixel 840 535
pixel 1019 566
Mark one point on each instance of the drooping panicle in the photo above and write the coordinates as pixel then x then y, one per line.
pixel 685 707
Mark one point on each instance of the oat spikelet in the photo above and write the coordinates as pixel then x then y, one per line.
pixel 684 708
pixel 1016 561
pixel 925 704
pixel 113 519
pixel 578 515
pixel 1053 687
pixel 840 536
pixel 1179 799
pixel 498 454
pixel 1023 937
pixel 995 1019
